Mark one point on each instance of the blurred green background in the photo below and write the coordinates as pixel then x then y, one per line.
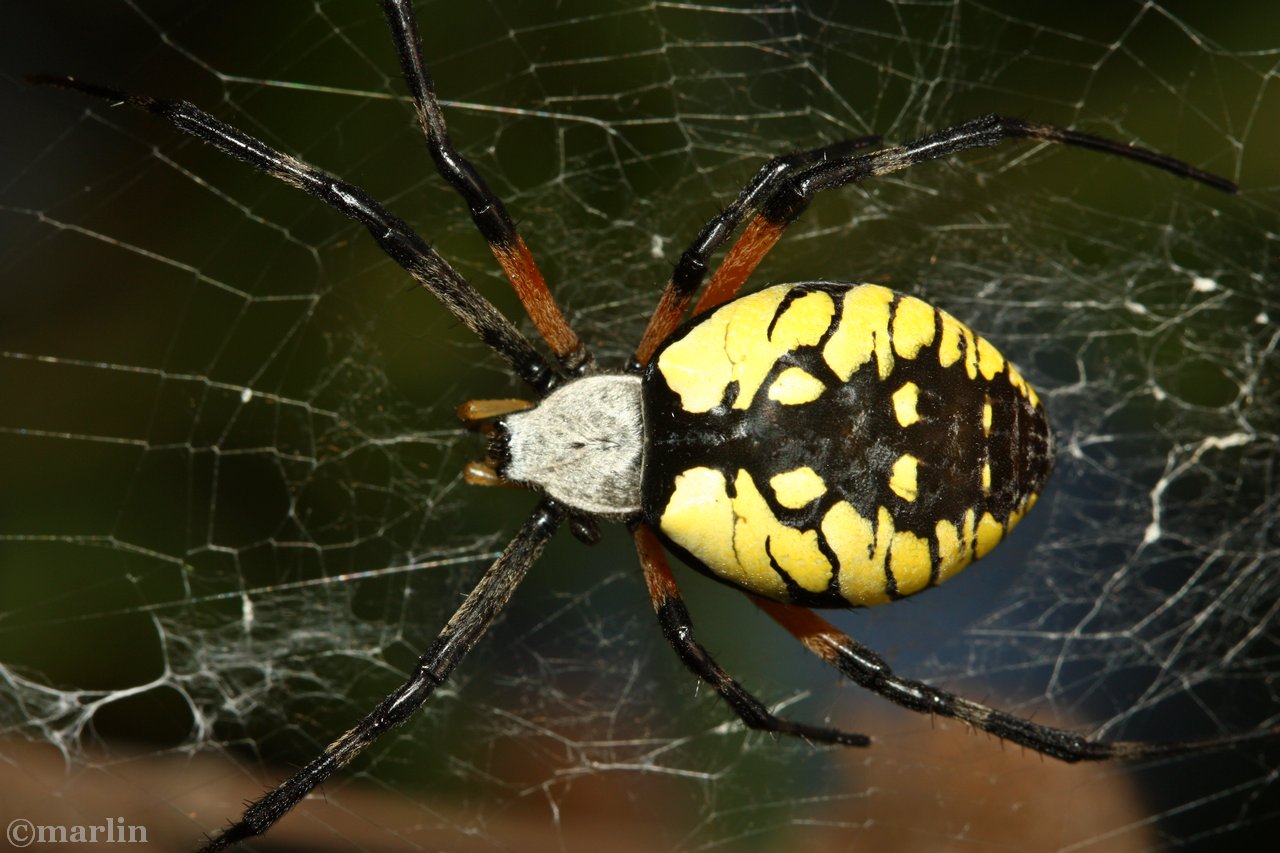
pixel 231 513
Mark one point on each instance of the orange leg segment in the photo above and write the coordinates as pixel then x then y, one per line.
pixel 677 627
pixel 867 669
pixel 521 269
pixel 757 239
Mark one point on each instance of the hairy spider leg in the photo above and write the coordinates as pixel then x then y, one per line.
pixel 868 670
pixel 677 627
pixel 487 210
pixel 798 187
pixel 392 234
pixel 467 625
pixel 691 269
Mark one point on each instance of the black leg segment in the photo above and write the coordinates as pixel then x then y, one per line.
pixel 392 234
pixel 487 210
pixel 464 629
pixel 677 627
pixel 867 669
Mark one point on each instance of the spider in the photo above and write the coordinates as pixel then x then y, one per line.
pixel 814 444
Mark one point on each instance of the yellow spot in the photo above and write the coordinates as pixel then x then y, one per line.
pixel 1017 514
pixel 753 351
pixel 904 404
pixel 736 537
pixel 902 480
pixel 986 477
pixel 970 351
pixel 967 531
pixel 1015 379
pixel 952 554
pixel 1023 386
pixel 910 562
pixel 990 532
pixel 956 343
pixel 757 535
pixel 913 326
pixel 696 368
pixel 699 518
pixel 797 488
pixel 986 416
pixel 860 551
pixel 862 332
pixel 949 346
pixel 734 345
pixel 990 361
pixel 794 387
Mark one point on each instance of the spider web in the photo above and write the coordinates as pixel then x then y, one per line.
pixel 232 511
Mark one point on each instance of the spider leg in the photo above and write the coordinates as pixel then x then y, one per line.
pixel 795 192
pixel 487 210
pixel 691 269
pixel 464 629
pixel 678 629
pixel 392 234
pixel 867 669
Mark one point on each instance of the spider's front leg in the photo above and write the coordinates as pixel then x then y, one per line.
pixel 783 189
pixel 691 269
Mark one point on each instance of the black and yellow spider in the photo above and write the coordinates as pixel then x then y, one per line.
pixel 814 445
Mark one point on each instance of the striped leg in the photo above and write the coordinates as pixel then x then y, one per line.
pixel 487 210
pixel 392 234
pixel 692 266
pixel 464 629
pixel 791 195
pixel 867 669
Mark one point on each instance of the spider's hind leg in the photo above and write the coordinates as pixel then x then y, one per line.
pixel 678 629
pixel 867 669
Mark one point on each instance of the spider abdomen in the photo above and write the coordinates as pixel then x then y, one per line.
pixel 836 445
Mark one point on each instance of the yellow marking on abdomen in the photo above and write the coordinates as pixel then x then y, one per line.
pixel 990 361
pixel 798 487
pixel 735 537
pixel 910 562
pixel 860 550
pixel 990 532
pixel 734 345
pixel 862 332
pixel 699 518
pixel 953 553
pixel 1017 514
pixel 905 400
pixel 949 345
pixel 913 326
pixel 902 480
pixel 986 478
pixel 986 415
pixel 758 534
pixel 1023 386
pixel 795 387
pixel 753 350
